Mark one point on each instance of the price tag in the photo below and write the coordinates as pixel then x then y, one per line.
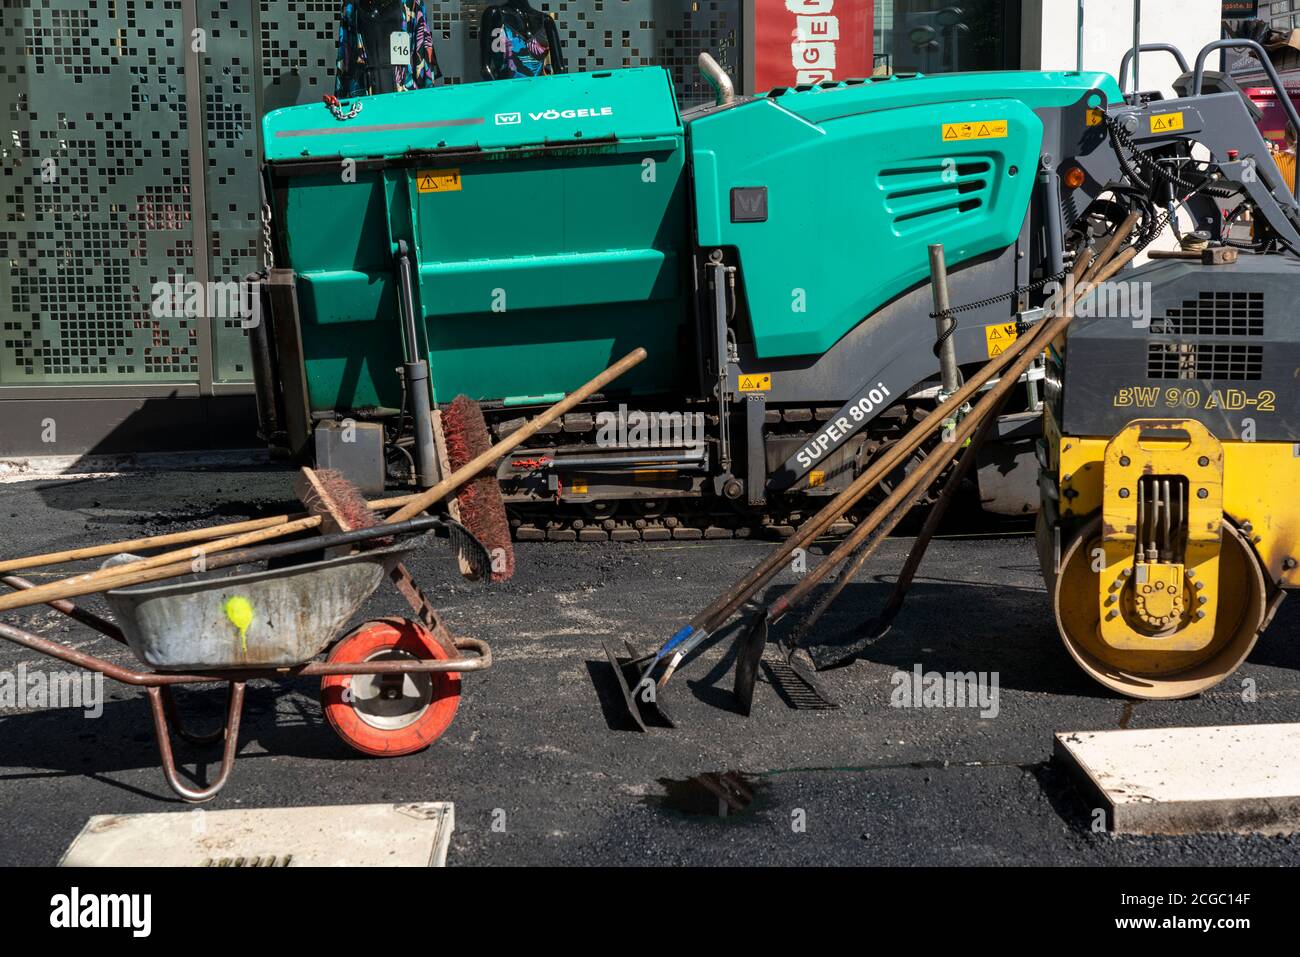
pixel 399 48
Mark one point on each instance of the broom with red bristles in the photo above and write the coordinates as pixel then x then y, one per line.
pixel 482 509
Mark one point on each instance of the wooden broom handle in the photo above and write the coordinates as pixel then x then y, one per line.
pixel 188 560
pixel 467 471
pixel 172 538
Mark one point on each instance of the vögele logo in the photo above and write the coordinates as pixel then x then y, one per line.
pixel 581 113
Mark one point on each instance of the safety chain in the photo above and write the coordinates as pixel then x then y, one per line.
pixel 1003 297
pixel 950 313
pixel 268 251
pixel 336 108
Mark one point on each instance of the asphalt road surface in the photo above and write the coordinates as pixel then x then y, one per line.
pixel 542 766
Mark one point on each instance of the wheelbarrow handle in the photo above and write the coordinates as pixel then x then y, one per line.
pixel 480 662
pixel 89 618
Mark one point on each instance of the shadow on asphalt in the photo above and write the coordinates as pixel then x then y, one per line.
pixel 961 627
pixel 62 741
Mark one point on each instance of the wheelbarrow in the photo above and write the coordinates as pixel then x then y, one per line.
pixel 389 687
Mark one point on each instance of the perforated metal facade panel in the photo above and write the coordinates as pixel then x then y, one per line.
pixel 94 171
pixel 97 91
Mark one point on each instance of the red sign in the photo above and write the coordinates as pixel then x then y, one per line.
pixel 1273 125
pixel 811 41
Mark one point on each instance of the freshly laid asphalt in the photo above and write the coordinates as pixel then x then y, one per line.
pixel 541 765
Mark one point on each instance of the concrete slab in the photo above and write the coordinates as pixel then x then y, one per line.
pixel 357 835
pixel 1228 778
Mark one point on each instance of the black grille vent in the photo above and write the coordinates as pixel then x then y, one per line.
pixel 1214 314
pixel 1207 361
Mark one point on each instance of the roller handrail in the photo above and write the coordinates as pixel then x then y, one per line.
pixel 1198 81
pixel 1149 48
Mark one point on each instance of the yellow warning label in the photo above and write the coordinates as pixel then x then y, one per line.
pixel 816 477
pixel 1166 122
pixel 1095 117
pixel 999 336
pixel 438 180
pixel 756 383
pixel 578 486
pixel 979 130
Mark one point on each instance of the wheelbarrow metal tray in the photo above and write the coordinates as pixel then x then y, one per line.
pixel 287 615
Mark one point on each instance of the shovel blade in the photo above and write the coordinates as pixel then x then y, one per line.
pixel 641 697
pixel 749 652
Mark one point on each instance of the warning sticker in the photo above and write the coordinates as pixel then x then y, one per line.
pixel 578 486
pixel 1166 122
pixel 438 180
pixel 816 477
pixel 979 130
pixel 756 383
pixel 1095 117
pixel 999 336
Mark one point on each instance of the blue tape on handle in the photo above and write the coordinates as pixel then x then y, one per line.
pixel 677 639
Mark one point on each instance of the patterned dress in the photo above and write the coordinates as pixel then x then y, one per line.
pixel 517 43
pixel 363 64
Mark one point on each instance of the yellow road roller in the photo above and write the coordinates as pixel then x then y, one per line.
pixel 1170 481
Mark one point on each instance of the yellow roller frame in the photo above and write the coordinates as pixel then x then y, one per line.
pixel 1180 595
pixel 1243 533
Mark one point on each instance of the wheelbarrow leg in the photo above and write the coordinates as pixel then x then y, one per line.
pixel 231 731
pixel 174 719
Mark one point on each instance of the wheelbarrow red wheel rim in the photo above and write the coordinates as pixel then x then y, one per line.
pixel 398 720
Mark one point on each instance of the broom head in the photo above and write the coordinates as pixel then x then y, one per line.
pixel 482 509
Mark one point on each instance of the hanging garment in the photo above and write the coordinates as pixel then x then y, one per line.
pixel 1285 161
pixel 516 40
pixel 383 46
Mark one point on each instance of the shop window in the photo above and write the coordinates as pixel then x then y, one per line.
pixel 930 36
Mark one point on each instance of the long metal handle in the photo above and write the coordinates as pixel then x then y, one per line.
pixel 944 324
pixel 416 371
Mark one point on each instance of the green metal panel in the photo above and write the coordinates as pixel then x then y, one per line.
pixel 552 245
pixel 860 180
pixel 632 103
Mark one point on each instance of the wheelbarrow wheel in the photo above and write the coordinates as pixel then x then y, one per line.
pixel 390 715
